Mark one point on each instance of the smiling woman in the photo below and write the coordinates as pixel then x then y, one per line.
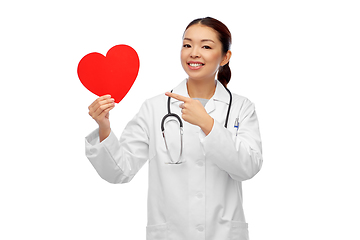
pixel 222 37
pixel 200 195
pixel 211 40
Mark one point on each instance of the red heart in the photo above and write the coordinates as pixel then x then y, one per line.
pixel 113 74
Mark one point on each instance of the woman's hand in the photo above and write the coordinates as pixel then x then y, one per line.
pixel 194 112
pixel 99 111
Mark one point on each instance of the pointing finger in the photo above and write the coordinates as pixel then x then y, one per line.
pixel 177 96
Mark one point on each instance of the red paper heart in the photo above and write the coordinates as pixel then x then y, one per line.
pixel 113 74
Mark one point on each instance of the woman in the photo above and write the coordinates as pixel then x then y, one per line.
pixel 200 196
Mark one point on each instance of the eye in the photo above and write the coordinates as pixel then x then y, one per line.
pixel 207 47
pixel 186 46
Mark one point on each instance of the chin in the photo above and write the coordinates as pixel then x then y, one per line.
pixel 200 77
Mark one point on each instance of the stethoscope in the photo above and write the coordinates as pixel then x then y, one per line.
pixel 170 114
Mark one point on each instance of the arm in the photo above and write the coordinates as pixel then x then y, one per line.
pixel 117 161
pixel 241 157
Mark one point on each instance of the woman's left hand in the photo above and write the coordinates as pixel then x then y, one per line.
pixel 194 112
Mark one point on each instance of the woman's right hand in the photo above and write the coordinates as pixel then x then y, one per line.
pixel 99 111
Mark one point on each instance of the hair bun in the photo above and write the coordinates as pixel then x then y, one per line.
pixel 224 74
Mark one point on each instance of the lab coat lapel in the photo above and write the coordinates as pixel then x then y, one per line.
pixel 220 95
pixel 210 106
pixel 180 89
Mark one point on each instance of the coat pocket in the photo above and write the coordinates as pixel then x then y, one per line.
pixel 239 230
pixel 157 232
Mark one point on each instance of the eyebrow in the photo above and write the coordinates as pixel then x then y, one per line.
pixel 203 40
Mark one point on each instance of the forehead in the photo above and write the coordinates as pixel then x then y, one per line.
pixel 198 32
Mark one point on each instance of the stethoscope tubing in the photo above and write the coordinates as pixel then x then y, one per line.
pixel 170 114
pixel 228 112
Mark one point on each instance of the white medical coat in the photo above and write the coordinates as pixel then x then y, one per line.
pixel 202 197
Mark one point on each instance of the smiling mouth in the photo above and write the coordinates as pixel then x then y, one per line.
pixel 195 64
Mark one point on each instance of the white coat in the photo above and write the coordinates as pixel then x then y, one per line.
pixel 202 197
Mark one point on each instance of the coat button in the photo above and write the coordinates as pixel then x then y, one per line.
pixel 199 195
pixel 200 163
pixel 200 228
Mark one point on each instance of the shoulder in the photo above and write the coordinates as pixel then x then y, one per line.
pixel 240 100
pixel 158 99
pixel 154 103
pixel 242 105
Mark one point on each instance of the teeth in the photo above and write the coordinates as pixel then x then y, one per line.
pixel 195 64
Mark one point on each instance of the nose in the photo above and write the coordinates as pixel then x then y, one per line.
pixel 195 53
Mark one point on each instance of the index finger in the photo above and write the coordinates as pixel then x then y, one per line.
pixel 177 96
pixel 99 99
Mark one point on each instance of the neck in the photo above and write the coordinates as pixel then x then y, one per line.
pixel 201 89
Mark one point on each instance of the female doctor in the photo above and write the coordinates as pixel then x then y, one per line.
pixel 196 173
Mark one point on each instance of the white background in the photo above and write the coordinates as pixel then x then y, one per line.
pixel 298 61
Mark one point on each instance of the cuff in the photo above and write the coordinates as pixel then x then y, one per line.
pixel 93 138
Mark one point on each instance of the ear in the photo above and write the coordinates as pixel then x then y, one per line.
pixel 226 58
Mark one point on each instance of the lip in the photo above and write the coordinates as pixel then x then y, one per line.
pixel 195 67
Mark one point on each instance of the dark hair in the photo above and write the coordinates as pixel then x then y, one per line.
pixel 224 34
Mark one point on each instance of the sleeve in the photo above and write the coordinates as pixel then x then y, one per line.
pixel 117 161
pixel 240 157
